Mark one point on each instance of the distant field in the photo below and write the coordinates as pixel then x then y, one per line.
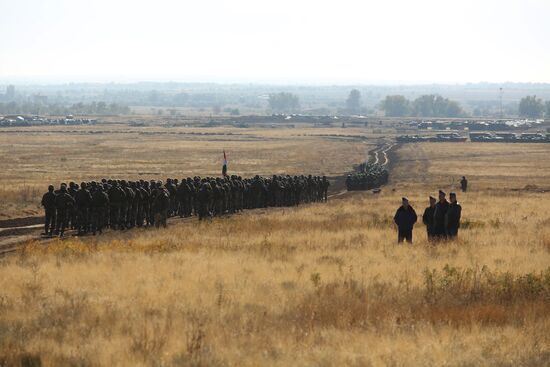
pixel 37 157
pixel 487 166
pixel 322 284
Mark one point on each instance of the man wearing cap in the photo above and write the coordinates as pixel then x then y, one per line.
pixel 453 217
pixel 428 218
pixel 440 216
pixel 405 218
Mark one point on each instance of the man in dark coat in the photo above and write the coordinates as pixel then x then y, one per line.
pixel 48 202
pixel 405 218
pixel 453 217
pixel 440 216
pixel 464 184
pixel 428 218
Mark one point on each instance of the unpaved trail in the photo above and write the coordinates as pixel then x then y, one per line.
pixel 379 155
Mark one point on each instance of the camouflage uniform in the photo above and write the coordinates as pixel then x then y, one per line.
pixel 83 200
pixel 64 204
pixel 48 202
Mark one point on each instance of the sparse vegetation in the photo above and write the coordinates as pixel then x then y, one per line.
pixel 319 284
pixel 43 156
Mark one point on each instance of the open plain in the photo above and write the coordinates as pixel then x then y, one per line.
pixel 322 284
pixel 38 156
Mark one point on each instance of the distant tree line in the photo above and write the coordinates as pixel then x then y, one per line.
pixel 429 105
pixel 533 107
pixel 93 108
pixel 353 102
pixel 284 102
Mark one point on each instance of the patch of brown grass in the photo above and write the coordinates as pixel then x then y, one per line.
pixel 323 284
pixel 42 156
pixel 257 288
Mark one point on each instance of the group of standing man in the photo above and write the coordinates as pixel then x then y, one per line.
pixel 119 204
pixel 441 217
pixel 92 206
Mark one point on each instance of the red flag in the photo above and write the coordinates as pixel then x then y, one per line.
pixel 224 167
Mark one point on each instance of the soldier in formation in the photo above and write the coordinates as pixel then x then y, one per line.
pixel 368 176
pixel 48 202
pixel 119 204
pixel 64 205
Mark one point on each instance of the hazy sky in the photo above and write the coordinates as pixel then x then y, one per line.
pixel 344 41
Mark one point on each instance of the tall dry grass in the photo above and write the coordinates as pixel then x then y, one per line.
pixel 317 285
pixel 323 285
pixel 22 200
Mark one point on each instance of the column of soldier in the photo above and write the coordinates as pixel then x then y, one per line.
pixel 119 204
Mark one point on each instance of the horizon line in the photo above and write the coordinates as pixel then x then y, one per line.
pixel 53 81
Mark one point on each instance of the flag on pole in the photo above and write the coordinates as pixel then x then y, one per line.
pixel 224 167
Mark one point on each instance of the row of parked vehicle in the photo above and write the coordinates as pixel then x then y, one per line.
pixel 478 137
pixel 18 120
pixel 510 137
pixel 444 137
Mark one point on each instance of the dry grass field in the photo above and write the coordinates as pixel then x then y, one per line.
pixel 37 157
pixel 490 166
pixel 318 285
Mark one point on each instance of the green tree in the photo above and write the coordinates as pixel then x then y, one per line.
pixel 353 103
pixel 531 106
pixel 101 107
pixel 396 106
pixel 454 109
pixel 432 105
pixel 424 106
pixel 284 102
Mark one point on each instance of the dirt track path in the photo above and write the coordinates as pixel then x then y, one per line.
pixel 379 155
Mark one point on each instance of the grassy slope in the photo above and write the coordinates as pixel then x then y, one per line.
pixel 318 285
